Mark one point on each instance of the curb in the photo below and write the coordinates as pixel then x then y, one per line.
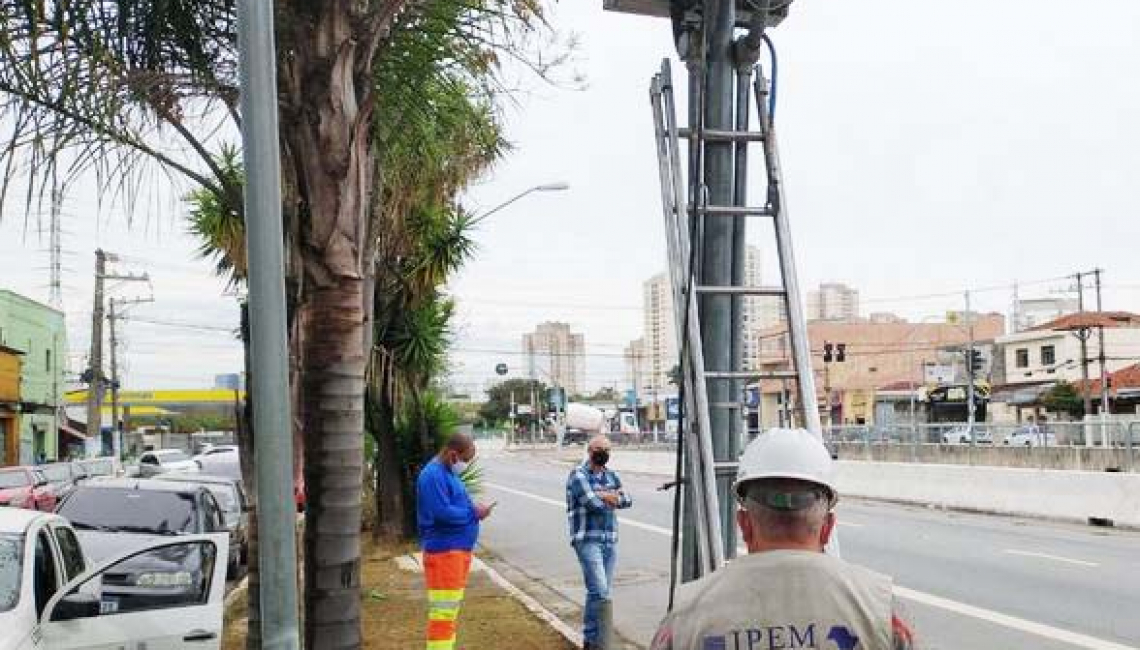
pixel 414 564
pixel 536 608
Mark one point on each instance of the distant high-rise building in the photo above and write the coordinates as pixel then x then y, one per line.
pixel 760 312
pixel 635 365
pixel 1031 312
pixel 833 301
pixel 659 342
pixel 556 356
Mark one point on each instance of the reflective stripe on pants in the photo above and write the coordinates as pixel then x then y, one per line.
pixel 446 577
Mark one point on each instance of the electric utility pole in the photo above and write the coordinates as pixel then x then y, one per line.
pixel 113 316
pixel 1083 336
pixel 1104 410
pixel 970 397
pixel 96 384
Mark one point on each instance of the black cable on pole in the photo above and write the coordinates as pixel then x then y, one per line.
pixel 675 540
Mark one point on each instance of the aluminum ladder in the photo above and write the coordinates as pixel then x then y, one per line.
pixel 683 220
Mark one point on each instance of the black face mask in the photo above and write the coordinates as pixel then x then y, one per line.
pixel 600 457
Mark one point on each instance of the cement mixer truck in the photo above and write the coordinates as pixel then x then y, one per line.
pixel 583 421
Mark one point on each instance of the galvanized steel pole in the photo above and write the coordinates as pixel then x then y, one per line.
pixel 272 412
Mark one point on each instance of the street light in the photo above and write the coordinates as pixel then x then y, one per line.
pixel 545 187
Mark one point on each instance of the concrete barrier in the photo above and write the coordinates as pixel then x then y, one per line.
pixel 1052 494
pixel 1042 493
pixel 1088 459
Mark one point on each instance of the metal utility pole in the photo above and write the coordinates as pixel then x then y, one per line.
pixel 269 350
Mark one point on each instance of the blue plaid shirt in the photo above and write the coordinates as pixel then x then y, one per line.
pixel 589 518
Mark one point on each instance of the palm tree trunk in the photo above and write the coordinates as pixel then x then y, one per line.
pixel 333 400
pixel 390 493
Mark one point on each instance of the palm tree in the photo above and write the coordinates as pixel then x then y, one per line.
pixel 137 91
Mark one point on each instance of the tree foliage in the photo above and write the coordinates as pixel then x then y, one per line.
pixel 1064 398
pixel 497 408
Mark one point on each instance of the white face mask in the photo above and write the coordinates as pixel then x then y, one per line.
pixel 458 467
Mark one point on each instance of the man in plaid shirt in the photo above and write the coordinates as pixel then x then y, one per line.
pixel 593 493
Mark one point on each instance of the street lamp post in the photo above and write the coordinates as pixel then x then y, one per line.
pixel 545 187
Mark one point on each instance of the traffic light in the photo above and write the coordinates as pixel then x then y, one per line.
pixel 840 352
pixel 975 360
pixel 827 348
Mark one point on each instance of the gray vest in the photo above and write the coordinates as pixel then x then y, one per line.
pixel 784 600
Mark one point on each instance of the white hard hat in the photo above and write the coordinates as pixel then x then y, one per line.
pixel 787 453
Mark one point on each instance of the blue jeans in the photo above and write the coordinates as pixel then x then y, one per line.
pixel 597 560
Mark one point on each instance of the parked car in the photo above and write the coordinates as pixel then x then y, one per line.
pixel 51 598
pixel 64 476
pixel 231 498
pixel 1031 436
pixel 962 436
pixel 213 450
pixel 115 514
pixel 153 463
pixel 26 487
pixel 94 467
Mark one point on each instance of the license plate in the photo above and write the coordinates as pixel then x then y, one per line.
pixel 109 605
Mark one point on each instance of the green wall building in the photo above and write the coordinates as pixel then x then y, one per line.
pixel 36 335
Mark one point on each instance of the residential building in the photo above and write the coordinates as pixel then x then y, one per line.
pixel 556 355
pixel 1031 312
pixel 659 340
pixel 833 301
pixel 33 347
pixel 876 355
pixel 754 316
pixel 1051 352
pixel 1039 358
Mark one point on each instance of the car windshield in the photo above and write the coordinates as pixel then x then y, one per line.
pixel 225 496
pixel 11 566
pixel 14 478
pixel 57 473
pixel 171 456
pixel 158 512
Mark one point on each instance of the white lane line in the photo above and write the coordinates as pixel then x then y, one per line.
pixel 850 524
pixel 997 618
pixel 1005 620
pixel 1055 558
pixel 632 523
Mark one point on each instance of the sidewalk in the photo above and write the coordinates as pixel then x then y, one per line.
pixel 394 612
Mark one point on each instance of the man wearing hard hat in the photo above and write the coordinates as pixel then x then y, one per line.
pixel 786 593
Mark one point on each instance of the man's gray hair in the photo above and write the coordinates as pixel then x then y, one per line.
pixel 780 524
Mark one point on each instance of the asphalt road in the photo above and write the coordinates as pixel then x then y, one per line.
pixel 965 581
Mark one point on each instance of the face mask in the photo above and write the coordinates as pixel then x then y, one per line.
pixel 600 457
pixel 458 467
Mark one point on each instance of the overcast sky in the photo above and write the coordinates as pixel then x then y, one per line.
pixel 926 150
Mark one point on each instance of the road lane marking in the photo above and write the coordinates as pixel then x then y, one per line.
pixel 1013 622
pixel 997 618
pixel 632 523
pixel 1046 556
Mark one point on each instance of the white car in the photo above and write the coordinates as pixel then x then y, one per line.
pixel 153 463
pixel 962 436
pixel 1031 436
pixel 50 598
